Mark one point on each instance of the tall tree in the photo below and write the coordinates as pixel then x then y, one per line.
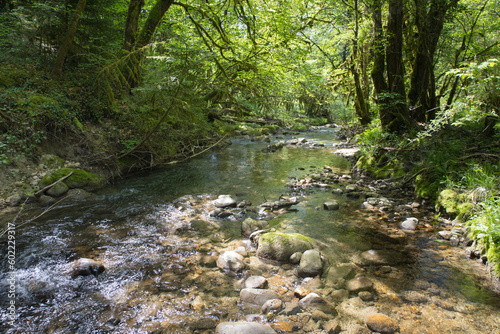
pixel 360 105
pixel 146 33
pixel 388 71
pixel 67 40
pixel 429 20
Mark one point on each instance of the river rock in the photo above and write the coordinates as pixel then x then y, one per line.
pixel 243 327
pixel 257 296
pixel 414 297
pixel 314 301
pixel 231 261
pixel 310 264
pixel 333 205
pixel 332 327
pixel 359 284
pixel 280 246
pixel 85 267
pixel 295 258
pixel 78 179
pixel 272 306
pixel 203 323
pixel 446 235
pixel 57 190
pixel 256 282
pixel 380 257
pixel 46 200
pixel 382 324
pixel 410 224
pixel 78 194
pixel 225 201
pixel 249 225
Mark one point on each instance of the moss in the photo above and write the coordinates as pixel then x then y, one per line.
pixel 448 200
pixel 379 169
pixel 299 127
pixel 79 179
pixel 454 203
pixel 426 187
pixel 285 238
pixel 493 255
pixel 465 210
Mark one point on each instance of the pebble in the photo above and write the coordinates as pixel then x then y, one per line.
pixel 382 324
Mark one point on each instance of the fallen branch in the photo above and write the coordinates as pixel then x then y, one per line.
pixel 53 184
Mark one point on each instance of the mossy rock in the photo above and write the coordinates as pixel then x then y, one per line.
pixel 448 200
pixel 379 169
pixel 79 179
pixel 280 246
pixel 454 203
pixel 299 127
pixel 426 187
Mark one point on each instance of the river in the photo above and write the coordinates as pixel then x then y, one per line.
pixel 157 238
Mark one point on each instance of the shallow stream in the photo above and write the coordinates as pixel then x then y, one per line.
pixel 156 237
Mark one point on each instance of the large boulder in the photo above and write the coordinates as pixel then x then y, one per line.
pixel 78 179
pixel 231 261
pixel 310 264
pixel 280 246
pixel 243 327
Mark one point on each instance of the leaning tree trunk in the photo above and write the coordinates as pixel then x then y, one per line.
pixel 68 39
pixel 146 34
pixel 132 23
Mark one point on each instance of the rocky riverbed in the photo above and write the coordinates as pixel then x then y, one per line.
pixel 336 253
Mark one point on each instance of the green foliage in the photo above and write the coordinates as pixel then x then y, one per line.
pixel 485 227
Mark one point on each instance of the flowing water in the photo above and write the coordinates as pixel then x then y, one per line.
pixel 156 237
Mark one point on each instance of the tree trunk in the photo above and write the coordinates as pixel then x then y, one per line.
pixel 68 39
pixel 360 105
pixel 146 34
pixel 422 94
pixel 399 115
pixel 390 93
pixel 134 11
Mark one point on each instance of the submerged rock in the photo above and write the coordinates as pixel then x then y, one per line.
pixel 243 327
pixel 249 225
pixel 257 296
pixel 86 267
pixel 280 246
pixel 333 205
pixel 359 284
pixel 231 261
pixel 256 282
pixel 382 324
pixel 310 264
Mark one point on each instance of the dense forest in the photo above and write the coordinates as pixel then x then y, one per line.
pixel 140 83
